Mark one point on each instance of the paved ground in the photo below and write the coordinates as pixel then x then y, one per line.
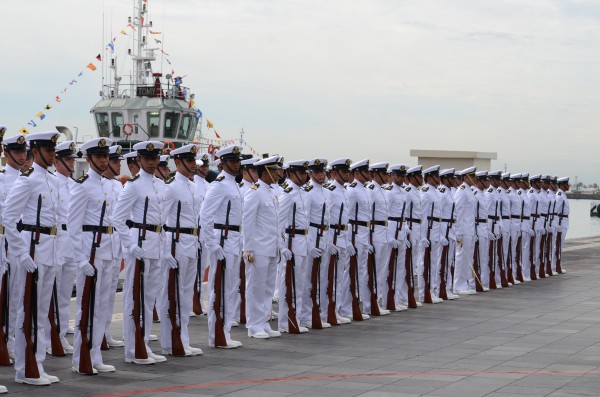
pixel 536 339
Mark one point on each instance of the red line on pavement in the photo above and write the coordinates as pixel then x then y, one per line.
pixel 209 385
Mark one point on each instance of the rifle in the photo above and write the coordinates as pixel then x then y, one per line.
pixel 532 244
pixel 519 248
pixel 500 254
pixel 559 239
pixel 492 253
pixel 543 247
pixel 372 269
pixel 444 261
pixel 392 267
pixel 139 316
pixel 177 348
pixel 353 273
pixel 197 297
pixel 88 298
pixel 476 258
pixel 549 242
pixel 427 261
pixel 509 269
pixel 30 304
pixel 315 291
pixel 54 320
pixel 290 280
pixel 409 278
pixel 219 287
pixel 4 319
pixel 332 274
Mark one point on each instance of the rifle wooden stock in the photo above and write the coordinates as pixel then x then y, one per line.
pixel 500 255
pixel 138 310
pixel 242 291
pixel 353 273
pixel 314 281
pixel 509 269
pixel 408 278
pixel 443 262
pixel 549 254
pixel 85 358
pixel 532 270
pixel 391 300
pixel 519 259
pixel 104 345
pixel 155 314
pixel 477 268
pixel 4 310
pixel 220 339
pixel 331 283
pixel 558 251
pixel 293 327
pixel 54 320
pixel 372 280
pixel 197 296
pixel 541 258
pixel 177 348
pixel 492 266
pixel 427 274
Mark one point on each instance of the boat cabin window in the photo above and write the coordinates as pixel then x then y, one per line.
pixel 171 121
pixel 185 128
pixel 116 122
pixel 153 124
pixel 102 123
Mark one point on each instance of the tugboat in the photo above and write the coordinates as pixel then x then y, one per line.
pixel 149 105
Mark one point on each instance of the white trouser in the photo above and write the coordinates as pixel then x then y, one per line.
pixel 502 256
pixel 116 267
pixel 552 249
pixel 152 280
pixel 463 279
pixel 343 297
pixel 514 237
pixel 436 259
pixel 280 266
pixel 187 272
pixel 259 292
pixel 232 289
pixel 362 252
pixel 536 252
pixel 484 261
pixel 238 296
pixel 104 269
pixel 301 269
pixel 401 286
pixel 14 297
pixel 65 278
pixel 46 275
pixel 562 242
pixel 420 269
pixel 204 264
pixel 382 259
pixel 323 283
pixel 525 263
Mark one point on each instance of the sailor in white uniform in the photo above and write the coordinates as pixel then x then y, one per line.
pixel 465 207
pixel 562 213
pixel 202 168
pixel 446 192
pixel 414 179
pixel 482 230
pixel 132 162
pixel 3 263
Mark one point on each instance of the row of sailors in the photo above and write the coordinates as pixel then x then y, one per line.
pixel 358 215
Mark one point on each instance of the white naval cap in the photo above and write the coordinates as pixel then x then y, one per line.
pixel 148 148
pixel 285 166
pixel 233 152
pixel 297 165
pixel 343 163
pixel 535 177
pixel 481 174
pixel 494 174
pixel 164 160
pixel 114 152
pixel 270 162
pixel 130 157
pixel 96 146
pixel 15 142
pixel 46 138
pixel 360 164
pixel 564 179
pixel 66 149
pixel 317 164
pixel 249 162
pixel 466 171
pixel 515 177
pixel 202 159
pixel 506 175
pixel 218 162
pixel 399 169
pixel 187 151
pixel 547 177
pixel 415 170
pixel 378 166
pixel 525 175
pixel 447 172
pixel 432 170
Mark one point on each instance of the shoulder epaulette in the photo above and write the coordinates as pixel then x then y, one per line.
pixel 530 190
pixel 133 178
pixel 508 191
pixel 499 191
pixel 169 180
pixel 331 187
pixel 219 178
pixel 27 172
pixel 425 188
pixel 241 184
pixel 475 193
pixel 490 190
pixel 288 189
pixel 307 188
pixel 442 189
pixel 326 185
pixel 82 178
pixel 407 188
pixel 353 184
pixel 560 193
pixel 462 187
pixel 255 186
pixel 519 192
pixel 388 187
pixel 371 186
pixel 284 185
pixel 2 171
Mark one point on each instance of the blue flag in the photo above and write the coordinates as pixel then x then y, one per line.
pixel 198 115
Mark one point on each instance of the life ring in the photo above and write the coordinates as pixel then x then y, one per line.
pixel 168 147
pixel 128 129
pixel 212 149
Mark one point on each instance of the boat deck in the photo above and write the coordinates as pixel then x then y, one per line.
pixel 537 339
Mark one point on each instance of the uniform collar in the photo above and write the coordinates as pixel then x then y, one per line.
pixel 11 170
pixel 145 175
pixel 94 175
pixel 227 176
pixel 181 177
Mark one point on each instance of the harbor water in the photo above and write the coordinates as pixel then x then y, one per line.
pixel 581 224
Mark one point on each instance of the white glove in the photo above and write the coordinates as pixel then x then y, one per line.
pixel 86 268
pixel 218 252
pixel 444 241
pixel 333 250
pixel 459 237
pixel 425 243
pixel 370 248
pixel 407 243
pixel 351 250
pixel 27 263
pixel 396 243
pixel 286 254
pixel 531 233
pixel 248 256
pixel 315 252
pixel 170 261
pixel 136 251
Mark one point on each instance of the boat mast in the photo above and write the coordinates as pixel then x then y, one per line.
pixel 142 55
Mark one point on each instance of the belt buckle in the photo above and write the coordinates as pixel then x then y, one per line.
pixel 368 223
pixel 386 223
pixel 109 229
pixel 1 229
pixel 194 231
pixel 52 231
pixel 158 228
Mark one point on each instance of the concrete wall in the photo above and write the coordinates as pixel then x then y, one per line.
pixel 454 159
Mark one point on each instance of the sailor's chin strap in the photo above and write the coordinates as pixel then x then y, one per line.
pixel 39 148
pixel 9 152
pixel 61 159
pixel 191 173
pixel 365 177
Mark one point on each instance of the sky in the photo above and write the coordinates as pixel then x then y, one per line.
pixel 329 78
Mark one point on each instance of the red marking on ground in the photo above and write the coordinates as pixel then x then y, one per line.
pixel 209 385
